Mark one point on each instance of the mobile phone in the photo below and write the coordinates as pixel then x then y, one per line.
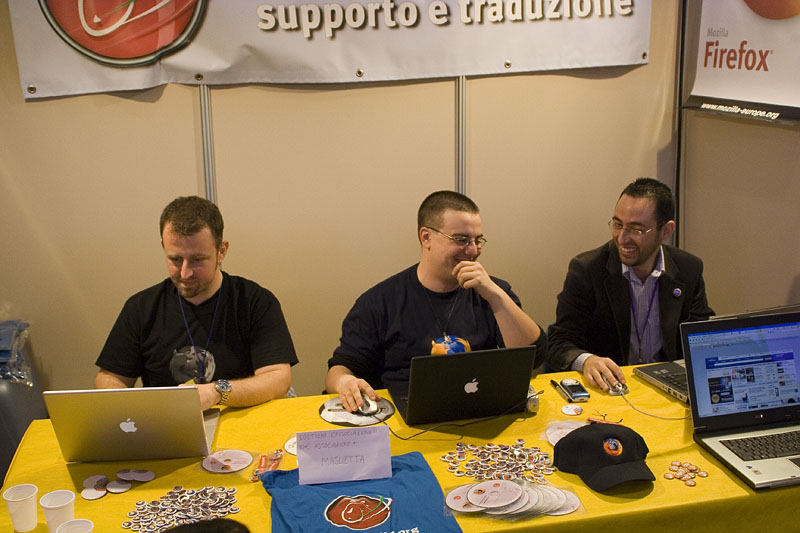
pixel 572 390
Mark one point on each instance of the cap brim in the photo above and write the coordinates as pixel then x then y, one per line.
pixel 612 475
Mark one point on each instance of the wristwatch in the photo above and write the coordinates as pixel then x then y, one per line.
pixel 223 387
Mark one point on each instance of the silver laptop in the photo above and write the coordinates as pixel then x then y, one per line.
pixel 745 396
pixel 131 424
pixel 476 384
pixel 669 376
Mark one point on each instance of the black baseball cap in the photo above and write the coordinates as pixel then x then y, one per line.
pixel 603 455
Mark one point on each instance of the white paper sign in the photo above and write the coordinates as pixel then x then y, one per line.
pixel 343 455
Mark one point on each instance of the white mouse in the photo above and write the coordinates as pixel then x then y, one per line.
pixel 368 406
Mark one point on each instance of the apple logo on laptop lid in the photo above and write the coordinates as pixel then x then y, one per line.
pixel 129 426
pixel 472 386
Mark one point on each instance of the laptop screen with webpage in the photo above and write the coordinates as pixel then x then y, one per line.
pixel 743 370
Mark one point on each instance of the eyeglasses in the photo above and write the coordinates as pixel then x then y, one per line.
pixel 462 240
pixel 617 227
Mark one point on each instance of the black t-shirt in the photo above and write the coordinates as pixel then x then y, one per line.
pixel 397 320
pixel 150 335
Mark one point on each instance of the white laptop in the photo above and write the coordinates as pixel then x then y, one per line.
pixel 743 377
pixel 131 424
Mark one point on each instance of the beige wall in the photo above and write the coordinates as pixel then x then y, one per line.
pixel 319 188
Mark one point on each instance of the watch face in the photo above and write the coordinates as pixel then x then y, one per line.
pixel 223 385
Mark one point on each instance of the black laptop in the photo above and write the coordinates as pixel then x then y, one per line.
pixel 475 384
pixel 744 386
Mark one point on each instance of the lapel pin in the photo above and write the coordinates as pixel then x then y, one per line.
pixel 676 293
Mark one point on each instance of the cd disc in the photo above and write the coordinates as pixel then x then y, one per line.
pixel 457 500
pixel 494 493
pixel 227 461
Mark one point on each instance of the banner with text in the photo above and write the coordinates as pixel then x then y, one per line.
pixel 84 46
pixel 747 60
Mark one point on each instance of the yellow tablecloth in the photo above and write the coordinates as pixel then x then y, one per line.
pixel 719 502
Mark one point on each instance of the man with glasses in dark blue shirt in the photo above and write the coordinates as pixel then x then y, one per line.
pixel 447 300
pixel 622 302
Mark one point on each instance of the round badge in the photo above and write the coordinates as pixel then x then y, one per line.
pixel 494 493
pixel 457 500
pixel 118 487
pixel 125 474
pixel 141 475
pixel 572 410
pixel 97 482
pixel 93 494
pixel 227 461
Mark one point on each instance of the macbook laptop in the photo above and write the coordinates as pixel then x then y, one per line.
pixel 669 376
pixel 745 397
pixel 476 384
pixel 130 424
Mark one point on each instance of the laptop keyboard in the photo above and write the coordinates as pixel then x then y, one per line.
pixel 766 446
pixel 677 380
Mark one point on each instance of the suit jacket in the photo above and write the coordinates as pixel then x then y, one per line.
pixel 594 314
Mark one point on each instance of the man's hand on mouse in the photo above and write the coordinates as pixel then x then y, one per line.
pixel 350 394
pixel 595 366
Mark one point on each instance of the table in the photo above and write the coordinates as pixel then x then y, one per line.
pixel 721 501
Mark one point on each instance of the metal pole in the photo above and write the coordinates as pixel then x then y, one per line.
pixel 461 135
pixel 208 143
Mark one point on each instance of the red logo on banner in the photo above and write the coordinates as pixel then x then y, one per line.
pixel 124 32
pixel 775 9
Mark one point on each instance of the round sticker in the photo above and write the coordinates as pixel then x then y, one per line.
pixel 457 500
pixel 494 493
pixel 572 410
pixel 227 461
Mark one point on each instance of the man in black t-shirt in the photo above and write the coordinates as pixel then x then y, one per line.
pixel 447 296
pixel 225 333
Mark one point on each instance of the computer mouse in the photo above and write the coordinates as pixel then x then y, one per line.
pixel 368 406
pixel 620 389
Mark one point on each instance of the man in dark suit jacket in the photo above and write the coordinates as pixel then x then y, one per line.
pixel 633 275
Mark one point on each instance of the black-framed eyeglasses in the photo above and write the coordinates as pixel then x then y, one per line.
pixel 617 227
pixel 462 240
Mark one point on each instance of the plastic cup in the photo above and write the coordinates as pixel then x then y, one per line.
pixel 78 525
pixel 59 506
pixel 21 502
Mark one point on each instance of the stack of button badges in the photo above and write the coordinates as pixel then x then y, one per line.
pixel 508 498
pixel 500 461
pixel 182 506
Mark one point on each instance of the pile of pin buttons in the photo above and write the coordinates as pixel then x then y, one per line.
pixel 95 487
pixel 500 461
pixel 182 506
pixel 502 499
pixel 686 472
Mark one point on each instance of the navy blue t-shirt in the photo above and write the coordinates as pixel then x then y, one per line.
pixel 399 319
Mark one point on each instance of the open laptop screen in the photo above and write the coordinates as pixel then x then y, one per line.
pixel 743 365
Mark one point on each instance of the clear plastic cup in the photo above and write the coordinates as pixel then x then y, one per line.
pixel 58 506
pixel 78 525
pixel 21 502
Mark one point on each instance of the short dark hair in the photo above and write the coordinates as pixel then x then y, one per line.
pixel 189 214
pixel 657 191
pixel 433 207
